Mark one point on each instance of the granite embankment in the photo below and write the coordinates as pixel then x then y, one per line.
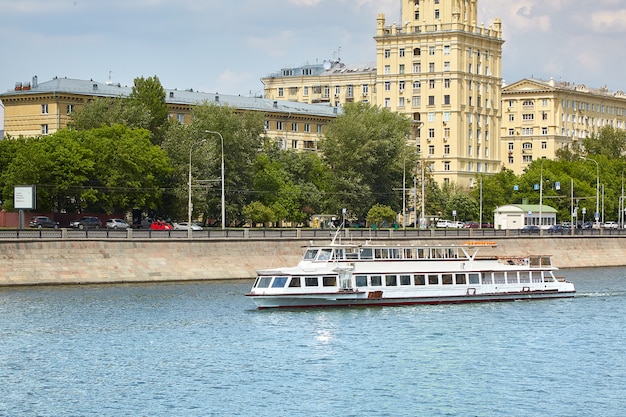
pixel 35 262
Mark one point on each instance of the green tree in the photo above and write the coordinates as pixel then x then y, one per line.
pixel 610 142
pixel 150 94
pixel 257 212
pixel 379 213
pixel 364 148
pixel 109 111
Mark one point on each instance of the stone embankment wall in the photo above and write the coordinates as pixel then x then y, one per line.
pixel 33 262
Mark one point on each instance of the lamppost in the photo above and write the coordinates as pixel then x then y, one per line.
pixel 597 213
pixel 223 197
pixel 189 205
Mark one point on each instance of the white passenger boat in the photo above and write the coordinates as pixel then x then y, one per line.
pixel 378 275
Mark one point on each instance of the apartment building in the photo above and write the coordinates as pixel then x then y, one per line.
pixel 540 117
pixel 33 109
pixel 440 68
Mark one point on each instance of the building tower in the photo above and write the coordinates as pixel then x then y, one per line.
pixel 444 70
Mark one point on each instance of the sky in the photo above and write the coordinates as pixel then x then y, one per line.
pixel 226 47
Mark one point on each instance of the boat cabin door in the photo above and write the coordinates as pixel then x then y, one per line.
pixel 345 278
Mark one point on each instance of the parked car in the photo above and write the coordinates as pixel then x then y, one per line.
pixel 116 224
pixel 441 224
pixel 41 222
pixel 183 226
pixel 557 228
pixel 87 222
pixel 530 229
pixel 160 225
pixel 610 225
pixel 471 225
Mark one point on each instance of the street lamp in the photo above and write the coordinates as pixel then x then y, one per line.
pixel 189 205
pixel 597 213
pixel 223 197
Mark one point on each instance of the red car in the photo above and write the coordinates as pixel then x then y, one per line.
pixel 160 225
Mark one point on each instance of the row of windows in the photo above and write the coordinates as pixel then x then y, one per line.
pixel 432 51
pixel 69 109
pixel 295 127
pixel 418 280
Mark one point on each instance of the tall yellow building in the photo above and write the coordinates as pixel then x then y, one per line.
pixel 541 117
pixel 439 67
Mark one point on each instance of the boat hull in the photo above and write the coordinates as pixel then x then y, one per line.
pixel 361 299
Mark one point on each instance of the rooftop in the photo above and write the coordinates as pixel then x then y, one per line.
pixel 175 96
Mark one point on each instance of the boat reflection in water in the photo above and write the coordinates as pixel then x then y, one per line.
pixel 351 274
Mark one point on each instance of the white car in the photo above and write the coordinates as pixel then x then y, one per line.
pixel 610 225
pixel 183 226
pixel 117 224
pixel 445 224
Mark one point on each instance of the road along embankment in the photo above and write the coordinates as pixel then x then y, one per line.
pixel 37 262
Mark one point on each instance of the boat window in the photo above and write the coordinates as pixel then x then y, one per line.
pixel 325 254
pixel 446 279
pixel 329 281
pixel 361 280
pixel 524 277
pixel 474 279
pixel 499 278
pixel 511 277
pixel 421 253
pixel 409 253
pixel 295 282
pixel 310 255
pixel 405 280
pixel 535 277
pixel 311 282
pixel 433 279
pixel 279 282
pixel 264 282
pixel 395 253
pixel 352 253
pixel 419 279
pixel 339 254
pixel 548 277
pixel 366 253
pixel 460 279
pixel 487 278
pixel 546 261
pixel 376 281
pixel 381 253
pixel 391 280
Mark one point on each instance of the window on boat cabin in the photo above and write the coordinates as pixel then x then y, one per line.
pixel 421 253
pixel 499 278
pixel 460 279
pixel 395 253
pixel 352 253
pixel 474 279
pixel 311 281
pixel 361 280
pixel 547 277
pixel 325 254
pixel 487 278
pixel 329 281
pixel 391 280
pixel 511 278
pixel 338 254
pixel 366 253
pixel 524 277
pixel 310 255
pixel 376 281
pixel 405 280
pixel 446 279
pixel 409 253
pixel 279 282
pixel 381 253
pixel 264 282
pixel 295 282
pixel 433 279
pixel 535 277
pixel 419 279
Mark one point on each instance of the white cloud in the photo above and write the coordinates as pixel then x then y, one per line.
pixel 276 45
pixel 609 21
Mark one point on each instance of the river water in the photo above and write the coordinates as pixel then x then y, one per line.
pixel 202 349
